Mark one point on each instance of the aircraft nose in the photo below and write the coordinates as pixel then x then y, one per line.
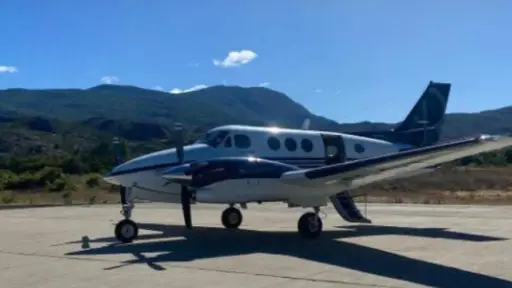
pixel 153 161
pixel 123 174
pixel 113 176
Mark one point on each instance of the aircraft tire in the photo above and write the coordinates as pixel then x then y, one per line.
pixel 307 227
pixel 231 218
pixel 126 231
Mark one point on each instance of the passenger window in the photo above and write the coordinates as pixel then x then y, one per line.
pixel 242 141
pixel 273 143
pixel 290 144
pixel 228 143
pixel 306 145
pixel 332 151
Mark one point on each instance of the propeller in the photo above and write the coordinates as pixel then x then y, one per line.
pixel 186 192
pixel 116 147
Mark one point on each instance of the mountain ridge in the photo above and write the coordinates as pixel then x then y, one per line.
pixel 108 105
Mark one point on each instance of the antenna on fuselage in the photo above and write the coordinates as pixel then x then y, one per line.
pixel 305 124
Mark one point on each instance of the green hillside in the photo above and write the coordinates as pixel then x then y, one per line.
pixel 105 105
pixel 50 135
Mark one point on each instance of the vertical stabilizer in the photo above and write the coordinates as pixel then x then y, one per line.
pixel 422 126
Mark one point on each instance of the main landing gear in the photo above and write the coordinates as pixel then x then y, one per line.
pixel 231 218
pixel 126 230
pixel 310 225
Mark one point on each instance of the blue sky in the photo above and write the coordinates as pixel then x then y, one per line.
pixel 346 60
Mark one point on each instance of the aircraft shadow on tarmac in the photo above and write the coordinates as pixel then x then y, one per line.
pixel 211 242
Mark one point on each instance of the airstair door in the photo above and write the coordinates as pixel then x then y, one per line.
pixel 334 149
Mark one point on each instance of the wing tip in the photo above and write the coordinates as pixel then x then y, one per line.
pixel 494 138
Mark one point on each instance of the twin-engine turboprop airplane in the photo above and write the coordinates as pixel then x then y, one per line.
pixel 304 168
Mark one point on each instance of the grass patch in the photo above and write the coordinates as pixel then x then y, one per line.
pixel 467 185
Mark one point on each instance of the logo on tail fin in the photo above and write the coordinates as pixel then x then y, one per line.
pixel 429 111
pixel 435 105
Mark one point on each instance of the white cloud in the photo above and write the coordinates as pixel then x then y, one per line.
pixel 264 84
pixel 158 87
pixel 195 88
pixel 236 58
pixel 318 90
pixel 8 69
pixel 109 79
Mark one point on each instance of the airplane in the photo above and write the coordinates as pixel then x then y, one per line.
pixel 237 164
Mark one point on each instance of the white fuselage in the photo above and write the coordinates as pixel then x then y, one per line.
pixel 301 148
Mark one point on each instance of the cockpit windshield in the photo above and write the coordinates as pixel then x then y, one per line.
pixel 213 138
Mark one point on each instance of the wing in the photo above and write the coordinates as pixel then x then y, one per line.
pixel 369 170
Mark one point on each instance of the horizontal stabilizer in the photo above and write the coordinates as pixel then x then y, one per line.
pixel 344 204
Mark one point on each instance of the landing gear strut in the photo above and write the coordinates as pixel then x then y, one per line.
pixel 126 230
pixel 231 218
pixel 310 225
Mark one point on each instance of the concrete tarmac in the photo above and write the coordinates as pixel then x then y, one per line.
pixel 406 246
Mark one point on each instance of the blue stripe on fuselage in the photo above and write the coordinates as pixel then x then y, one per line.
pixel 300 162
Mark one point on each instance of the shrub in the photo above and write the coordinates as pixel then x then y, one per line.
pixel 93 181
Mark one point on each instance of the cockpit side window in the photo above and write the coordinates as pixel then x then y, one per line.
pixel 242 141
pixel 228 142
pixel 213 139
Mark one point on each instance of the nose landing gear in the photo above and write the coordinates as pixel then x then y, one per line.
pixel 126 230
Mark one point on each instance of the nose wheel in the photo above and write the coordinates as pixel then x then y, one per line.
pixel 231 218
pixel 310 225
pixel 126 231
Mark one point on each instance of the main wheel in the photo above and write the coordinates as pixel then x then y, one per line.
pixel 309 225
pixel 126 231
pixel 231 218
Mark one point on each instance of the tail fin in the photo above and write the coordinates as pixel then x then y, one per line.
pixel 422 126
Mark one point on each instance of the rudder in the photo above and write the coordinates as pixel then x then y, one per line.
pixel 422 126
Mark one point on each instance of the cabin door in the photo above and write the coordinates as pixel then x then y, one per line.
pixel 334 148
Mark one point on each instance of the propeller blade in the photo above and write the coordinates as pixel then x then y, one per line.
pixel 182 179
pixel 122 192
pixel 116 147
pixel 178 127
pixel 185 205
